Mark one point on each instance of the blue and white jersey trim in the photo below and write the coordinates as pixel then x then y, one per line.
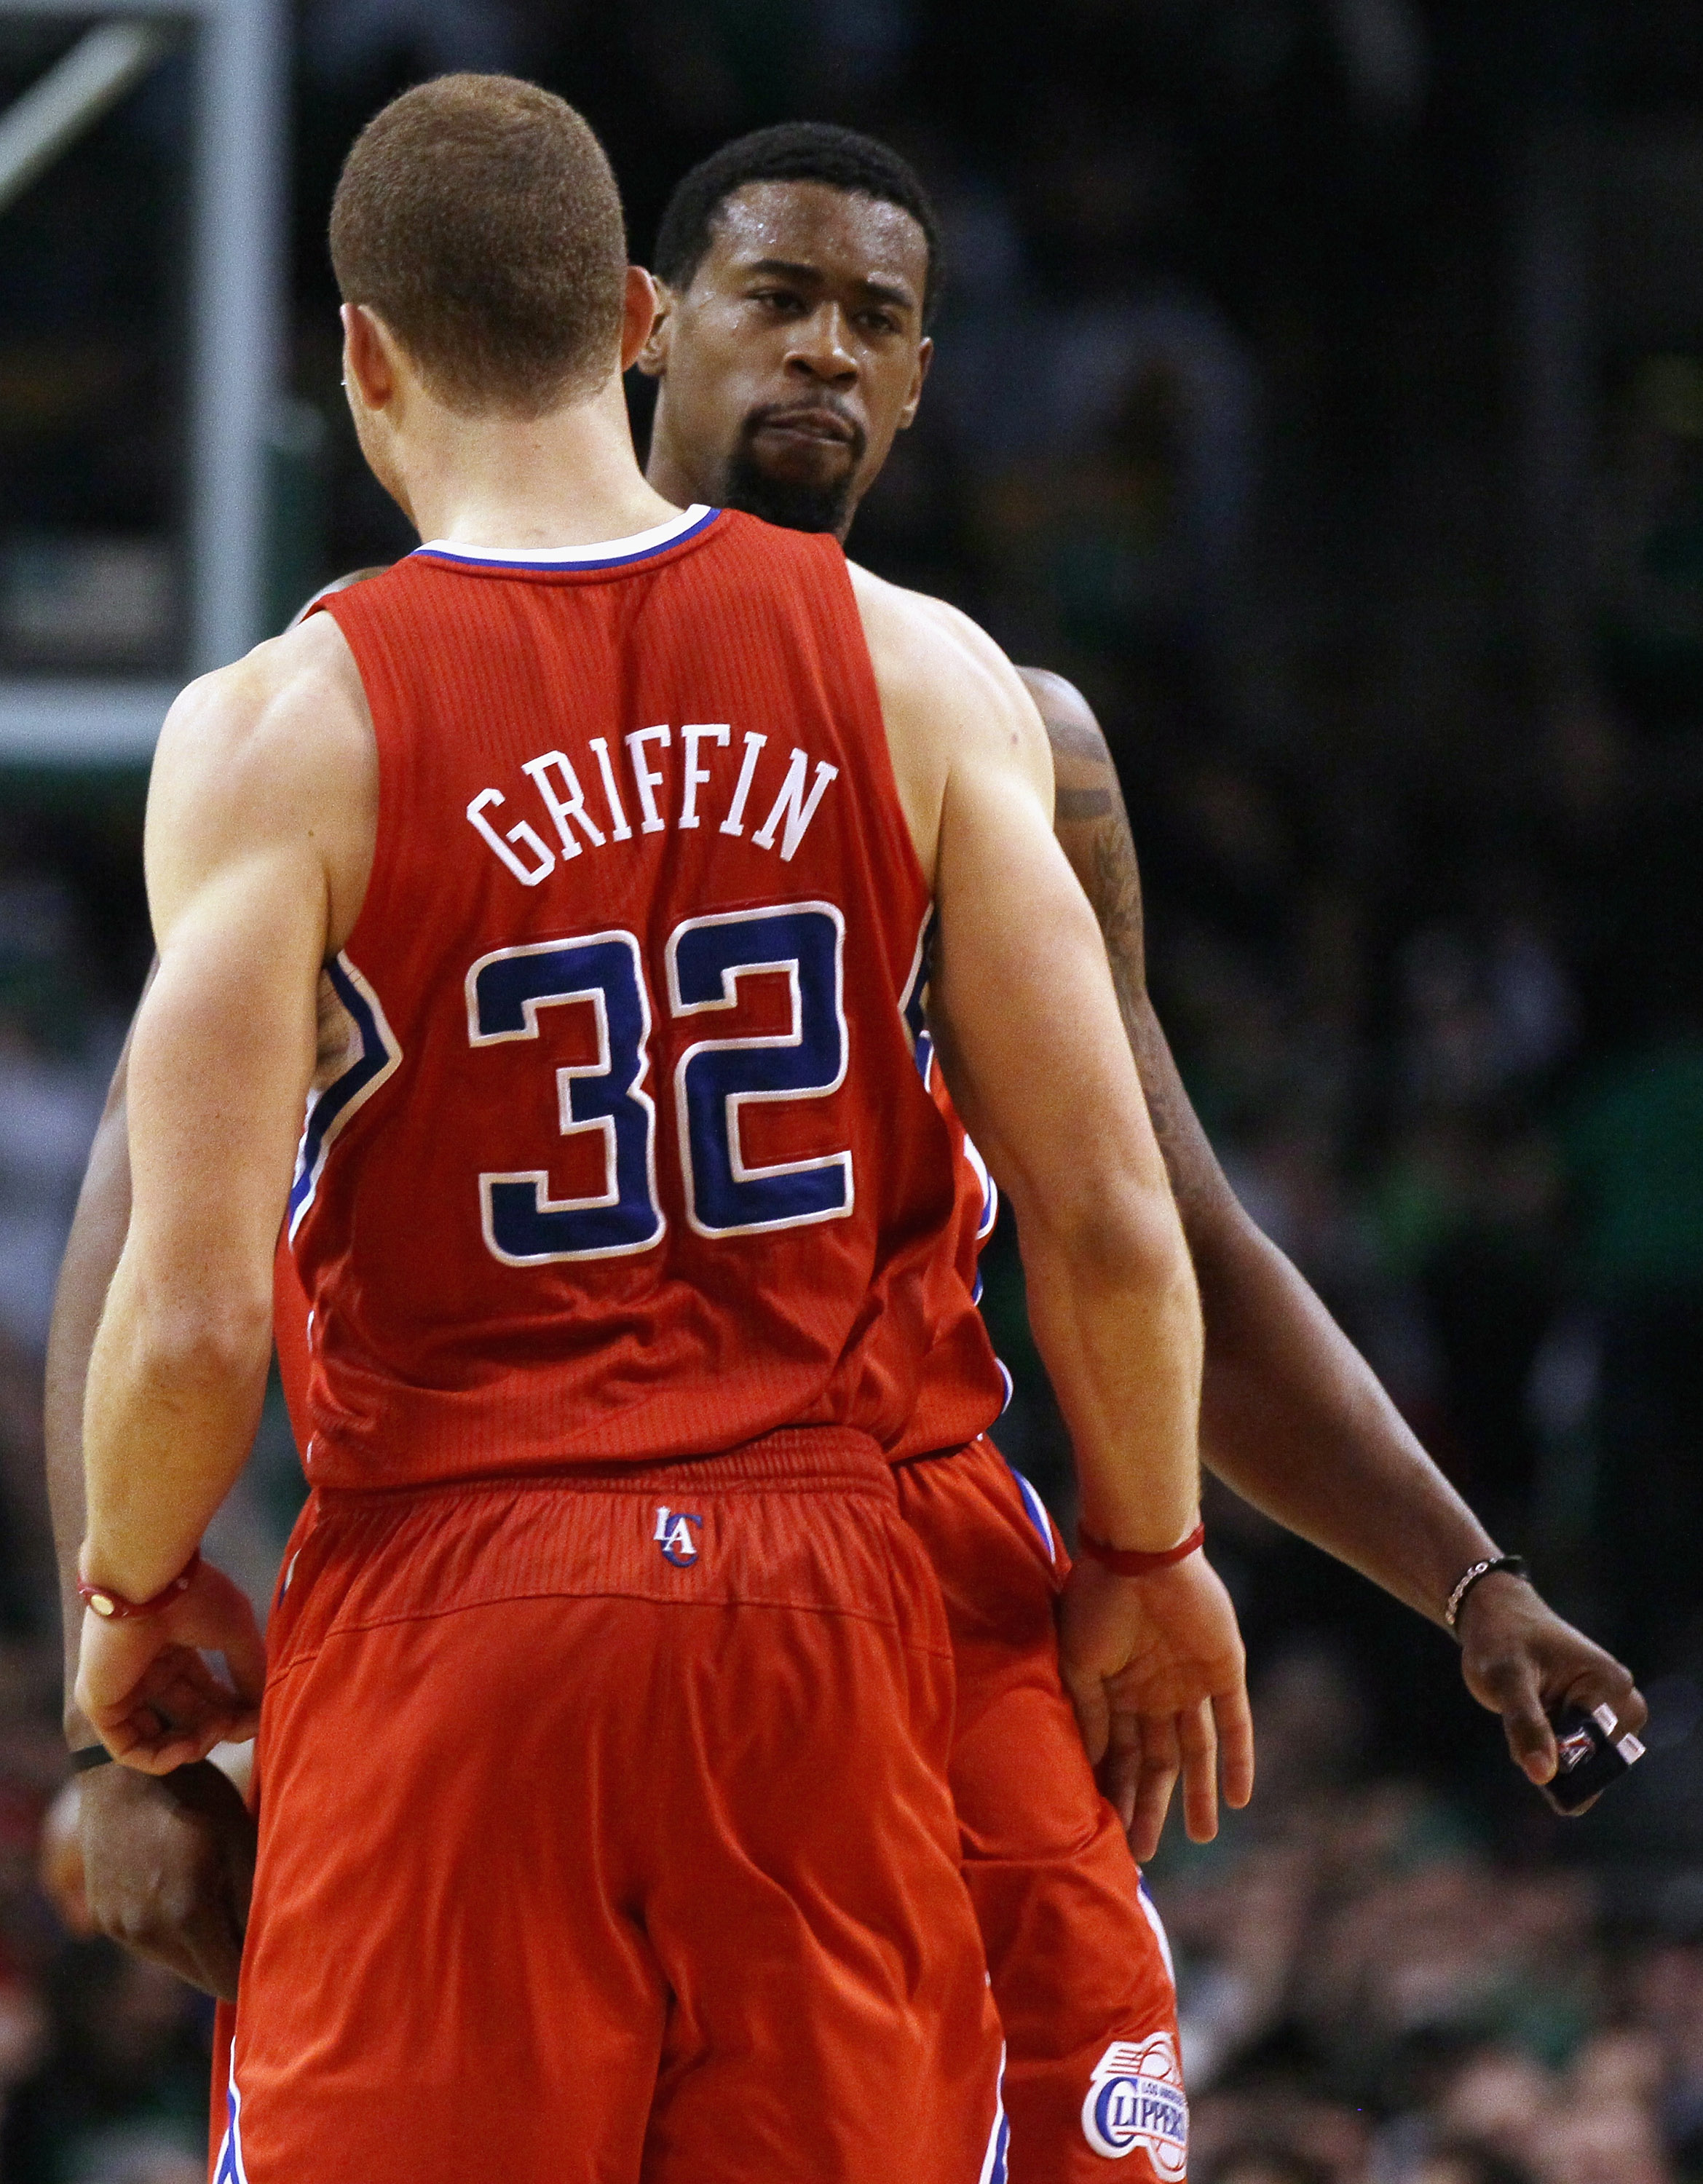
pixel 229 2168
pixel 911 1006
pixel 993 2166
pixel 1032 1502
pixel 1151 1911
pixel 990 1189
pixel 607 554
pixel 366 1058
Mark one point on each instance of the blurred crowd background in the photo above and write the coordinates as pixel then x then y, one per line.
pixel 1319 385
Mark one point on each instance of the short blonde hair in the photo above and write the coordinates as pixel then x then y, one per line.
pixel 477 216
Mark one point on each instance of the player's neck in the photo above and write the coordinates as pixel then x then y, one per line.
pixel 569 478
pixel 670 471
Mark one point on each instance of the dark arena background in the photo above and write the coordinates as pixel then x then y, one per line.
pixel 1320 384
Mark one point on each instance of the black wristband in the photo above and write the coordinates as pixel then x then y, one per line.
pixel 91 1755
pixel 1513 1565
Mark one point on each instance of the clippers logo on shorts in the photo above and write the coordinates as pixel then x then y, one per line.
pixel 674 1536
pixel 1136 2099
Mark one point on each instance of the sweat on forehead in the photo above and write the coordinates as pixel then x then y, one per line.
pixel 861 170
pixel 834 232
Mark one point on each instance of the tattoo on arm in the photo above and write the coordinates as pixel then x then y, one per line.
pixel 1094 831
pixel 1075 740
pixel 1071 806
pixel 1116 895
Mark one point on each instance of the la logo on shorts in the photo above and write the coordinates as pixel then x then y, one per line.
pixel 1135 2098
pixel 674 1536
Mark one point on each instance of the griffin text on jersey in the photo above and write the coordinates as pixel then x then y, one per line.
pixel 657 778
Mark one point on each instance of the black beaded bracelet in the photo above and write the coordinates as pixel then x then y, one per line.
pixel 91 1755
pixel 1514 1566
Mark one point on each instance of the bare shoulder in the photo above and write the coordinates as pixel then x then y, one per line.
pixel 903 635
pixel 934 664
pixel 293 700
pixel 945 631
pixel 1072 729
pixel 275 750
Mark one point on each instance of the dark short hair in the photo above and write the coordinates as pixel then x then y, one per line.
pixel 791 152
pixel 477 216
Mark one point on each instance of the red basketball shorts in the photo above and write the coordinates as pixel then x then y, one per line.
pixel 1081 1969
pixel 606 1837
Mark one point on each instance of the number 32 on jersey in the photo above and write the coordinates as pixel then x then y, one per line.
pixel 715 1079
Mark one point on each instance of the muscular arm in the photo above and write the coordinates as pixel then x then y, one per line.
pixel 91 1259
pixel 1027 1026
pixel 1060 1119
pixel 163 1864
pixel 1291 1415
pixel 1111 1297
pixel 91 1254
pixel 259 829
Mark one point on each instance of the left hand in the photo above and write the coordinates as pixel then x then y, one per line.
pixel 164 1863
pixel 1520 1659
pixel 148 1693
pixel 1155 1669
pixel 60 1859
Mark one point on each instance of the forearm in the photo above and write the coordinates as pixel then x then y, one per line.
pixel 1120 1332
pixel 91 1254
pixel 174 1398
pixel 1292 1416
pixel 1295 1420
pixel 178 1370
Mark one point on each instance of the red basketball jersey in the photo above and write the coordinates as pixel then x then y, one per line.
pixel 957 1352
pixel 618 1149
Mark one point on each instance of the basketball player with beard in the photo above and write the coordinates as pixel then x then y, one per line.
pixel 799 266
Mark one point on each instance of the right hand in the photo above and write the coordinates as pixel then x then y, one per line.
pixel 1156 1671
pixel 146 1690
pixel 168 1867
pixel 1519 1660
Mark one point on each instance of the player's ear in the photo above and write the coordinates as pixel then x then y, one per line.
pixel 639 313
pixel 925 353
pixel 652 357
pixel 368 375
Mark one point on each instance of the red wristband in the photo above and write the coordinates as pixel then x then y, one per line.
pixel 1130 1562
pixel 113 1608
